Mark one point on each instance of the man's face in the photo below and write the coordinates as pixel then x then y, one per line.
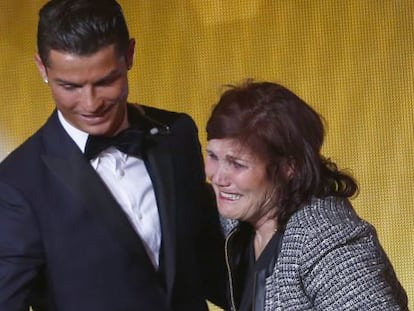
pixel 90 91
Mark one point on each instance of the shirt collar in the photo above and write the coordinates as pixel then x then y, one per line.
pixel 78 136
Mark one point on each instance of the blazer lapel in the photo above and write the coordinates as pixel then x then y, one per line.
pixel 67 162
pixel 160 168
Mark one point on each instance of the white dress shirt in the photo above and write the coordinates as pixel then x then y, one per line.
pixel 129 182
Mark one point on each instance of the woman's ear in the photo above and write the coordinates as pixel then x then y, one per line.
pixel 289 168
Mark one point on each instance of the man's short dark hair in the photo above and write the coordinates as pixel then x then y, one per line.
pixel 81 27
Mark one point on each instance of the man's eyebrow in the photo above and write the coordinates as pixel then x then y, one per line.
pixel 104 79
pixel 63 81
pixel 113 74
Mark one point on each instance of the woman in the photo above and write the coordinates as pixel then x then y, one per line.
pixel 294 241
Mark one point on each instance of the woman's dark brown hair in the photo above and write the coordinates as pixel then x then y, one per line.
pixel 284 131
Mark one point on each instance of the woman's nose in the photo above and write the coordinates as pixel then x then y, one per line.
pixel 220 176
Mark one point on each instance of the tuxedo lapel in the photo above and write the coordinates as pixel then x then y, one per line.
pixel 66 161
pixel 159 163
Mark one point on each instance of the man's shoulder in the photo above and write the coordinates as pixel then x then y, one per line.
pixel 179 123
pixel 22 155
pixel 162 115
pixel 27 152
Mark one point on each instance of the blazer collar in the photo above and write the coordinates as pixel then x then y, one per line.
pixel 65 160
pixel 159 164
pixel 68 163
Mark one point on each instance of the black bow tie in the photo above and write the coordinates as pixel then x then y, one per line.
pixel 128 141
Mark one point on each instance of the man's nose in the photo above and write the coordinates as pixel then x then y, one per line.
pixel 89 98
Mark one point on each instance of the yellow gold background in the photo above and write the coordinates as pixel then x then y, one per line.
pixel 352 60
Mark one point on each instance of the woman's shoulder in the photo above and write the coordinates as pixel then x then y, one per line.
pixel 324 223
pixel 328 211
pixel 326 241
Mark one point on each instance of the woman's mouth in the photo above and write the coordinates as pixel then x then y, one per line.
pixel 229 196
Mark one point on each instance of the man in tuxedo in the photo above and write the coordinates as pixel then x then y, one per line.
pixel 105 207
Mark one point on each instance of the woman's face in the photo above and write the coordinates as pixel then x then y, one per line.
pixel 239 180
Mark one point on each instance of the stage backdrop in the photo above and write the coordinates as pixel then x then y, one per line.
pixel 351 60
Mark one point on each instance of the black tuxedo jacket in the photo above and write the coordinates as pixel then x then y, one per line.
pixel 65 243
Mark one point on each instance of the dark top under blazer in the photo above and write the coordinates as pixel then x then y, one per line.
pixel 65 243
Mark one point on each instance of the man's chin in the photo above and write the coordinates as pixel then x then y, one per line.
pixel 99 130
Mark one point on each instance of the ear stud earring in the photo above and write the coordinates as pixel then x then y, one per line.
pixel 46 80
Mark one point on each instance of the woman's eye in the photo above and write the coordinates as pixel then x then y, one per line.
pixel 211 156
pixel 238 165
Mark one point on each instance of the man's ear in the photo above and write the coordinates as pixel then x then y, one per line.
pixel 41 67
pixel 130 54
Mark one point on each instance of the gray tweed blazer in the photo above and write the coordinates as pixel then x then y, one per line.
pixel 330 260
